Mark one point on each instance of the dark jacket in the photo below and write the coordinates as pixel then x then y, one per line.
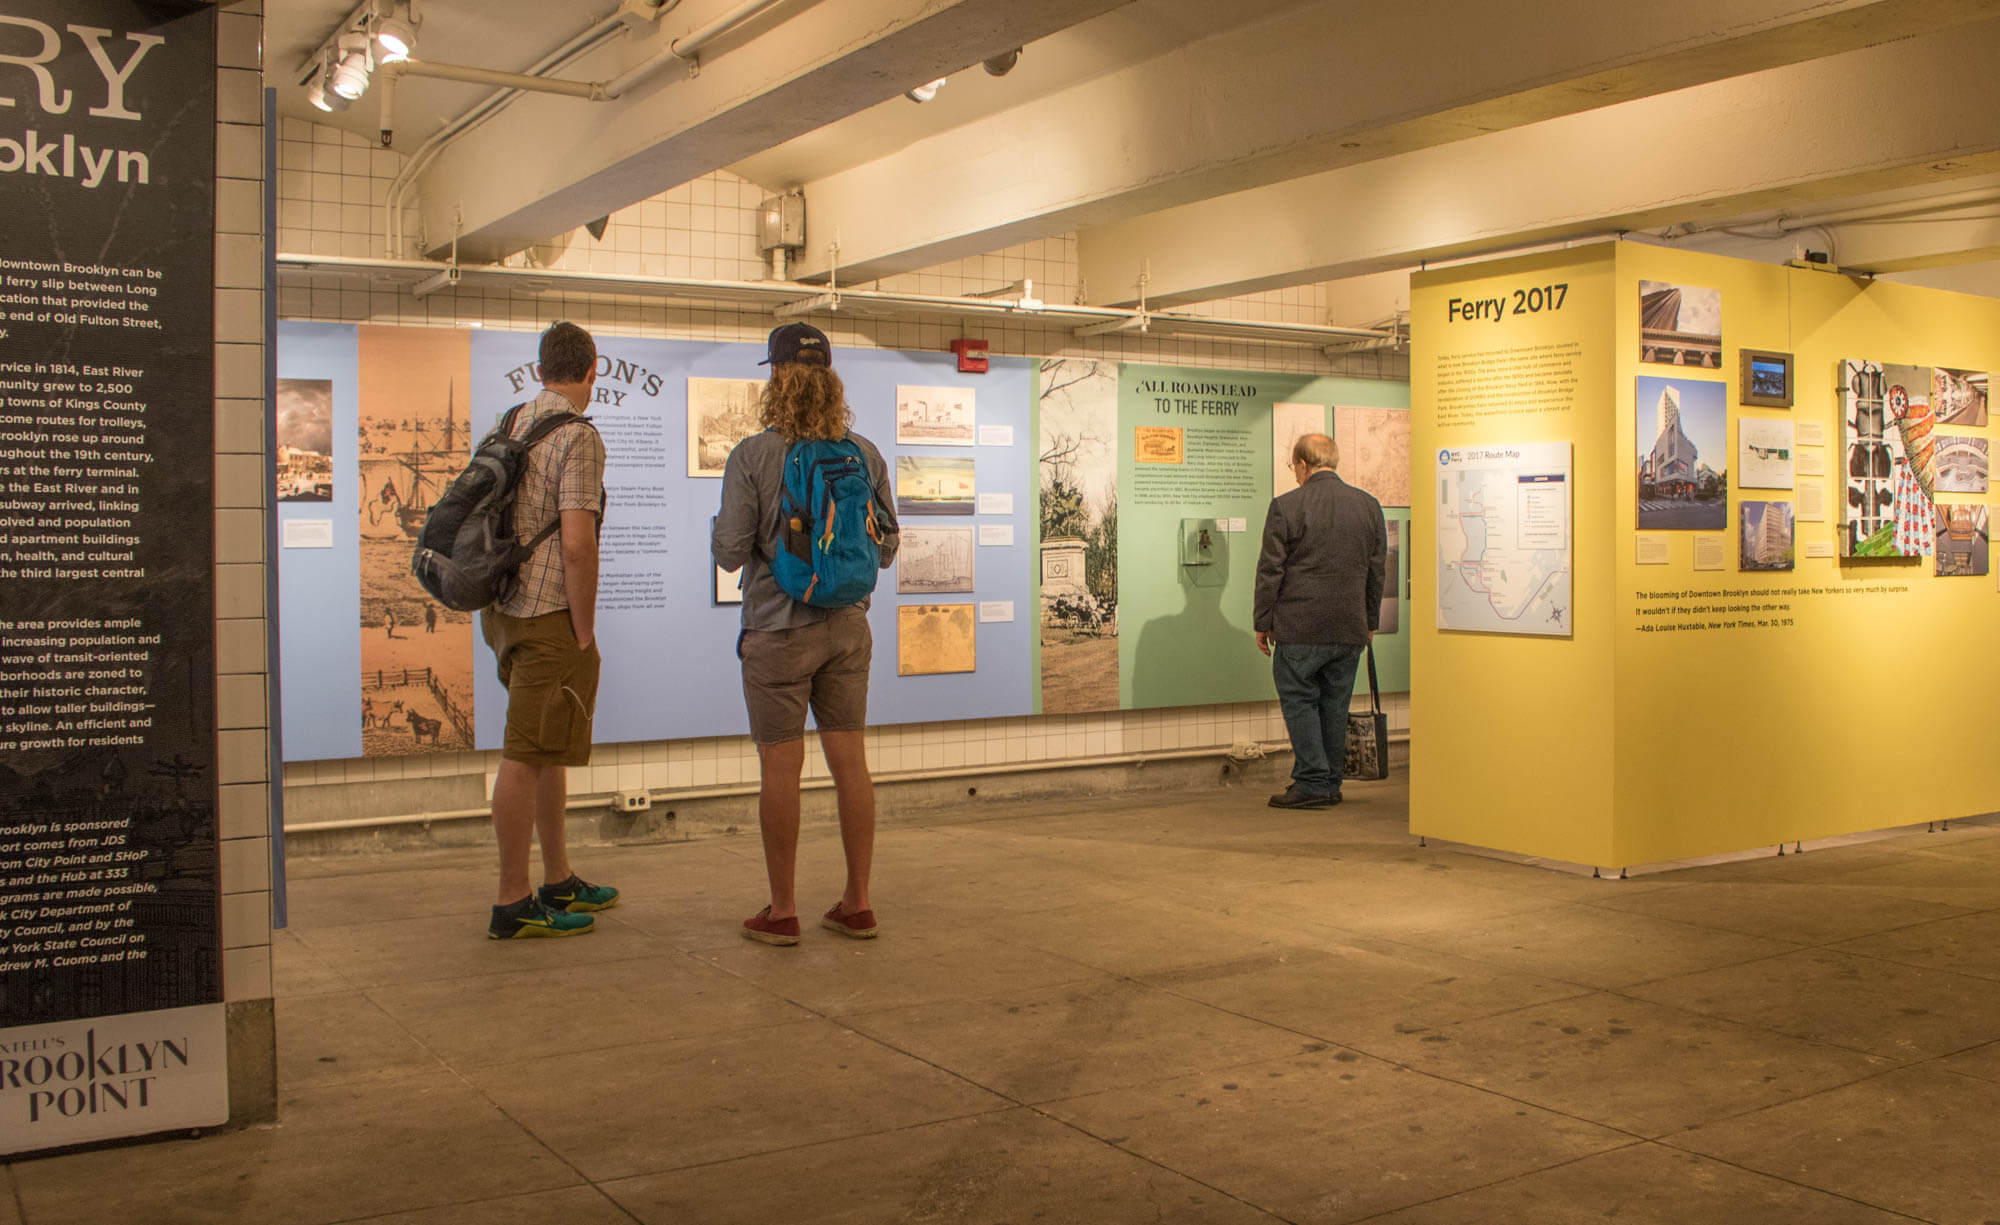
pixel 1319 577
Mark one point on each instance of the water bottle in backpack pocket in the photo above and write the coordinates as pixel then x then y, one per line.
pixel 468 554
pixel 828 551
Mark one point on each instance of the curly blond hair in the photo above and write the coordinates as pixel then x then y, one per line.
pixel 803 400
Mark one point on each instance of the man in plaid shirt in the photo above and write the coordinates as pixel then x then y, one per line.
pixel 544 635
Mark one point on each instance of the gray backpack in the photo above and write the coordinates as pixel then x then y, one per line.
pixel 468 555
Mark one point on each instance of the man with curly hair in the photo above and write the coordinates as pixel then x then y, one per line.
pixel 795 654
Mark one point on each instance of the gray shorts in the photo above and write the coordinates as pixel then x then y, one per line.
pixel 824 665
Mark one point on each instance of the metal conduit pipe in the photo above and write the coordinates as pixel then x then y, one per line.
pixel 811 784
pixel 488 76
pixel 392 220
pixel 688 47
pixel 1785 224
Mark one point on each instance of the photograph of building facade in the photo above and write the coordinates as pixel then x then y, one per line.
pixel 1766 539
pixel 1682 431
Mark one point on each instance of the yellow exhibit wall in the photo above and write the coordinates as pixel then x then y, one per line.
pixel 1710 709
pixel 1515 733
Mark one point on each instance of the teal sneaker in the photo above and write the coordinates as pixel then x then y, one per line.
pixel 577 895
pixel 529 918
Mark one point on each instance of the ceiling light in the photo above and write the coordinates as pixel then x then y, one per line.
pixel 350 75
pixel 924 93
pixel 324 99
pixel 1003 63
pixel 396 35
pixel 317 92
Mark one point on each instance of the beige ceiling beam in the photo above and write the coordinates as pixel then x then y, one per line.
pixel 1982 279
pixel 1783 139
pixel 1326 85
pixel 547 165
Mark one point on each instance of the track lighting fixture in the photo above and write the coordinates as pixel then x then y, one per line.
pixel 924 93
pixel 317 91
pixel 395 29
pixel 1002 64
pixel 349 78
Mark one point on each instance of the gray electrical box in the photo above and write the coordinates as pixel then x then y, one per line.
pixel 781 222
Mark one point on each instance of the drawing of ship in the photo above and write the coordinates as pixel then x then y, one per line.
pixel 399 487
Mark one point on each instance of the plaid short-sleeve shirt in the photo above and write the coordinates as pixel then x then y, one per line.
pixel 565 472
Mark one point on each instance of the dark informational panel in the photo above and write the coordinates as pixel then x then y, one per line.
pixel 111 1016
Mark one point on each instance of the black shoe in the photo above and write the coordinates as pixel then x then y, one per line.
pixel 1292 797
pixel 529 918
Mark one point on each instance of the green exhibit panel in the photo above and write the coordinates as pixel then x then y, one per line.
pixel 1154 485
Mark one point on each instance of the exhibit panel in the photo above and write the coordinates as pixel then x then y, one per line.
pixel 1509 376
pixel 376 420
pixel 112 1017
pixel 1154 482
pixel 1784 686
pixel 1771 535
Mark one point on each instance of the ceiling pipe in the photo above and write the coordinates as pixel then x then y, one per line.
pixel 392 221
pixel 1784 223
pixel 784 301
pixel 687 47
pixel 487 76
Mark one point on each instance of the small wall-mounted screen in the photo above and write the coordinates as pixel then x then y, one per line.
pixel 1767 376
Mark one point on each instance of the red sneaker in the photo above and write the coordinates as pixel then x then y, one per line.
pixel 762 927
pixel 860 924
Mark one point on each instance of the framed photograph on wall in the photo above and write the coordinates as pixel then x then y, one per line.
pixel 1767 379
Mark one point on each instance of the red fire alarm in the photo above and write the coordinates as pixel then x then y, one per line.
pixel 971 355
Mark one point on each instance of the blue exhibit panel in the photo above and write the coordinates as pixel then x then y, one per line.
pixel 1003 683
pixel 319 590
pixel 669 655
pixel 670 668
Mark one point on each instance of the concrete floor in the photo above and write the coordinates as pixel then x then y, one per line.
pixel 1190 1010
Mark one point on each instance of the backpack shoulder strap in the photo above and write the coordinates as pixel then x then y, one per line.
pixel 550 424
pixel 504 427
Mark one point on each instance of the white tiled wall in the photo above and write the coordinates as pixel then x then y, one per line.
pixel 332 186
pixel 242 481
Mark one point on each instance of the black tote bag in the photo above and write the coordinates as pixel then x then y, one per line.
pixel 1368 735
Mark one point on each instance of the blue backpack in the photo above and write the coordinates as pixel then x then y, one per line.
pixel 828 549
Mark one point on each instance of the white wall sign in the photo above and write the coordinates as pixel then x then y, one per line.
pixel 307 534
pixel 126 1074
pixel 1503 547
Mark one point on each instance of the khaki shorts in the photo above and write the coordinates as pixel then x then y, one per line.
pixel 824 665
pixel 551 687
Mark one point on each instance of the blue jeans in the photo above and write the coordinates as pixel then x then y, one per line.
pixel 1315 686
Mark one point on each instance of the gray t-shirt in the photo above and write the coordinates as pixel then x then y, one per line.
pixel 746 527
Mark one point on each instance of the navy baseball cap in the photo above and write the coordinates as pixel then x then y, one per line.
pixel 798 342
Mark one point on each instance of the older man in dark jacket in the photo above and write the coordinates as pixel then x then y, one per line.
pixel 1319 601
